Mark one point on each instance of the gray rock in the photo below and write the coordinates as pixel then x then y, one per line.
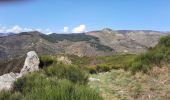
pixel 31 64
pixel 7 80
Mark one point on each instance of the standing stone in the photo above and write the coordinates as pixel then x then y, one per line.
pixel 31 63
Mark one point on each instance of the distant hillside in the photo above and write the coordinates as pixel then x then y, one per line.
pixel 6 34
pixel 95 43
pixel 16 45
pixel 131 41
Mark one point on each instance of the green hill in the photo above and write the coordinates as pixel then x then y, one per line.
pixel 157 56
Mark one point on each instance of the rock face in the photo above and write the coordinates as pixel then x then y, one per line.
pixel 7 80
pixel 31 64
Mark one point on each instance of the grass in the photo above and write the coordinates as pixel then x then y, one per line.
pixel 36 86
pixel 122 85
pixel 102 63
pixel 107 63
pixel 54 81
pixel 57 81
pixel 42 86
pixel 70 72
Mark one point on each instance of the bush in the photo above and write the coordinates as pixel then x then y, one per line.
pixel 63 90
pixel 39 87
pixel 107 63
pixel 70 72
pixel 98 68
pixel 91 69
pixel 46 60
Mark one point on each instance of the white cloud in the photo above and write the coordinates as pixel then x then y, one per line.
pixel 48 31
pixel 14 29
pixel 66 29
pixel 38 29
pixel 27 29
pixel 79 29
pixel 2 29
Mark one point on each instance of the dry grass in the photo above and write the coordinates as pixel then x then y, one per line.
pixel 122 85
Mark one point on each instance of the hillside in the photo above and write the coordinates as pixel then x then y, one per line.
pixel 131 41
pixel 146 76
pixel 16 45
pixel 154 57
pixel 95 43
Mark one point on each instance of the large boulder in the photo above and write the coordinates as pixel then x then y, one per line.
pixel 7 80
pixel 31 64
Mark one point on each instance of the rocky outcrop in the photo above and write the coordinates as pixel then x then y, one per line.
pixel 7 80
pixel 31 64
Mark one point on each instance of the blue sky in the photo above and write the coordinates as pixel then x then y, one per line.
pixel 85 15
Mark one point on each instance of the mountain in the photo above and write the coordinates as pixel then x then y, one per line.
pixel 16 45
pixel 2 34
pixel 6 34
pixel 95 43
pixel 131 41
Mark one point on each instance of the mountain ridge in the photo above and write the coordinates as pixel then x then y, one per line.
pixel 94 43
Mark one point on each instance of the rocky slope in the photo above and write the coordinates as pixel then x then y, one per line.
pixel 16 45
pixel 103 42
pixel 131 41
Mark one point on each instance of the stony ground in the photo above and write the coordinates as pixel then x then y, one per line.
pixel 122 85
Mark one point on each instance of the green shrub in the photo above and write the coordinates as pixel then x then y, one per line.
pixel 106 63
pixel 70 72
pixel 63 90
pixel 91 69
pixel 103 68
pixel 80 61
pixel 39 87
pixel 29 82
pixel 46 60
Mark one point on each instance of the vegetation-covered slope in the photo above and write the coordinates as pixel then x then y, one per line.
pixel 156 56
pixel 94 41
pixel 122 85
pixel 55 81
pixel 59 81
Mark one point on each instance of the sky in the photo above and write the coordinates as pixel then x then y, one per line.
pixel 65 16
